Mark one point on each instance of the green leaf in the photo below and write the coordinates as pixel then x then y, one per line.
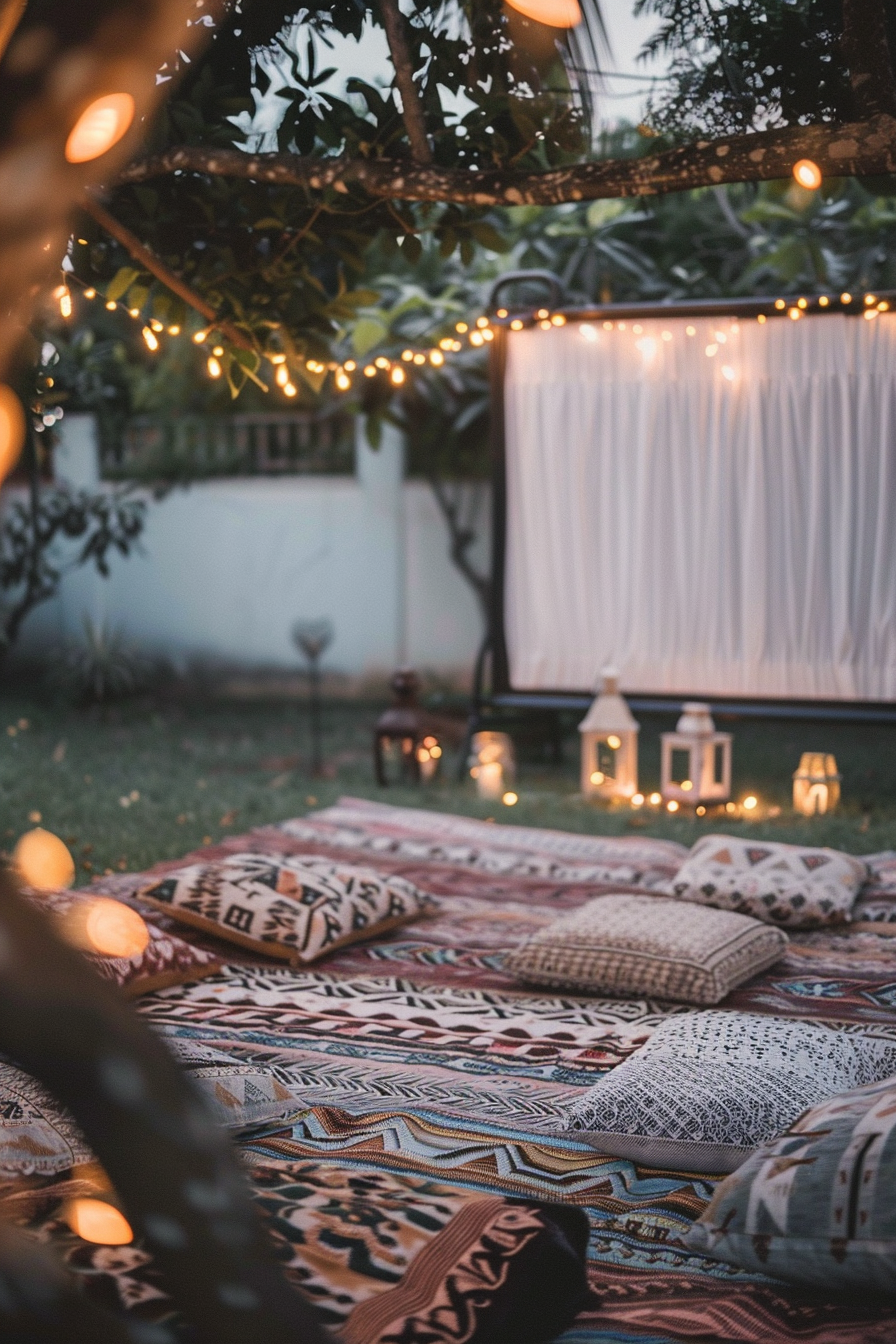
pixel 121 282
pixel 368 333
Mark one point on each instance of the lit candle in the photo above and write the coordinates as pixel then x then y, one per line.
pixel 490 780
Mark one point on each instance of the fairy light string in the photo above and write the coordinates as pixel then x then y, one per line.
pixel 476 333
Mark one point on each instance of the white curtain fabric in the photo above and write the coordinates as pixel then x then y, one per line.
pixel 710 505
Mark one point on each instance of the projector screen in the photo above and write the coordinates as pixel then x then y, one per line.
pixel 708 504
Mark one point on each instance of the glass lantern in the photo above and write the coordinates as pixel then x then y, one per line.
pixel 816 784
pixel 609 744
pixel 695 762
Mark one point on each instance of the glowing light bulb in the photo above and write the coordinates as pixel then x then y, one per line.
pixel 637 800
pixel 381 362
pixel 398 375
pixel 100 126
pixel 690 331
pixel 597 777
pixel 218 350
pixel 90 293
pixel 802 303
pixel 750 803
pixel 614 742
pixel 823 301
pixel 343 382
pixel 558 320
pixel 502 312
pixel 12 430
pixel 516 325
pixel 436 357
pixel 65 302
pixel 510 799
pixel 407 355
pixel 106 928
pixel 111 305
pixel 200 336
pixel 686 785
pixel 42 860
pixel 476 337
pixel 807 174
pixel 290 390
pixel 846 298
pixel 701 811
pixel 369 371
pixel 281 376
pixel 870 298
pixel 350 366
pixel 794 314
pixel 655 799
pixel 213 366
pixel 780 304
pixel 671 806
pixel 482 322
pixel 730 807
pixel 461 327
pixel 419 359
pixel 761 319
pixel 96 1221
pixel 149 336
pixel 174 329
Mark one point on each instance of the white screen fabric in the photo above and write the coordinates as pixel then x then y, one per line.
pixel 714 513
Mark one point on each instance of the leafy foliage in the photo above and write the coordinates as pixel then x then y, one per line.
pixel 750 64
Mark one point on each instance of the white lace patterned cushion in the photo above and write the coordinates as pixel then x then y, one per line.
pixel 793 885
pixel 298 907
pixel 707 1088
pixel 634 945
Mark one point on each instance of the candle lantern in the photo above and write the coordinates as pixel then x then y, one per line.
pixel 695 762
pixel 492 764
pixel 609 744
pixel 816 784
pixel 405 743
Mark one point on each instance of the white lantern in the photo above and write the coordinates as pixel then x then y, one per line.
pixel 609 736
pixel 492 764
pixel 816 784
pixel 695 764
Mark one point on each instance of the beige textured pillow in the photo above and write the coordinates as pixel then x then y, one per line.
pixel 795 885
pixel 632 945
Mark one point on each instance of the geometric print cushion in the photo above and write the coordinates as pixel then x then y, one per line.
pixel 707 1088
pixel 792 885
pixel 816 1204
pixel 39 1137
pixel 634 945
pixel 298 908
pixel 166 960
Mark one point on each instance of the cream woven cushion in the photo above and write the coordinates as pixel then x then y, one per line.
pixel 647 945
pixel 793 885
pixel 707 1088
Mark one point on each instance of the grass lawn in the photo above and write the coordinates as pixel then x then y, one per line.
pixel 152 779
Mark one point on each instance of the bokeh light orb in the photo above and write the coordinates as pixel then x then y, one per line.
pixel 42 860
pixel 552 13
pixel 95 1220
pixel 12 430
pixel 100 126
pixel 807 174
pixel 112 929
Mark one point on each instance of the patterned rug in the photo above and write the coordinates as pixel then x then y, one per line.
pixel 422 1063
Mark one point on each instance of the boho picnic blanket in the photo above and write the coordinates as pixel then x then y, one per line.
pixel 428 1075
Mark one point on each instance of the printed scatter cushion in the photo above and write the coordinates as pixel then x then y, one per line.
pixel 633 945
pixel 792 885
pixel 39 1137
pixel 166 960
pixel 816 1204
pixel 299 907
pixel 707 1088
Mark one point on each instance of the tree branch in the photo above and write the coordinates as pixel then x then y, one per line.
pixel 858 149
pixel 411 107
pixel 867 54
pixel 151 263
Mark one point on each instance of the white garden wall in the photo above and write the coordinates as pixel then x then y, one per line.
pixel 225 567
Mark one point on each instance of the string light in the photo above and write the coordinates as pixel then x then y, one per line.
pixel 407 354
pixel 419 359
pixel 461 327
pixel 218 350
pixel 482 322
pixel 502 312
pixel 12 430
pixel 807 174
pixel 281 376
pixel 846 298
pixel 63 295
pixel 476 337
pixel 174 330
pixel 149 336
pixel 823 301
pixel 290 390
pixel 761 318
pixel 369 371
pixel 90 293
pixel 382 362
pixel 436 357
pixel 871 298
pixel 794 313
pixel 883 306
pixel 96 1221
pixel 398 375
pixel 801 303
pixel 43 861
pixel 199 337
pixel 213 366
pixel 349 366
pixel 343 382
pixel 100 126
pixel 780 304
